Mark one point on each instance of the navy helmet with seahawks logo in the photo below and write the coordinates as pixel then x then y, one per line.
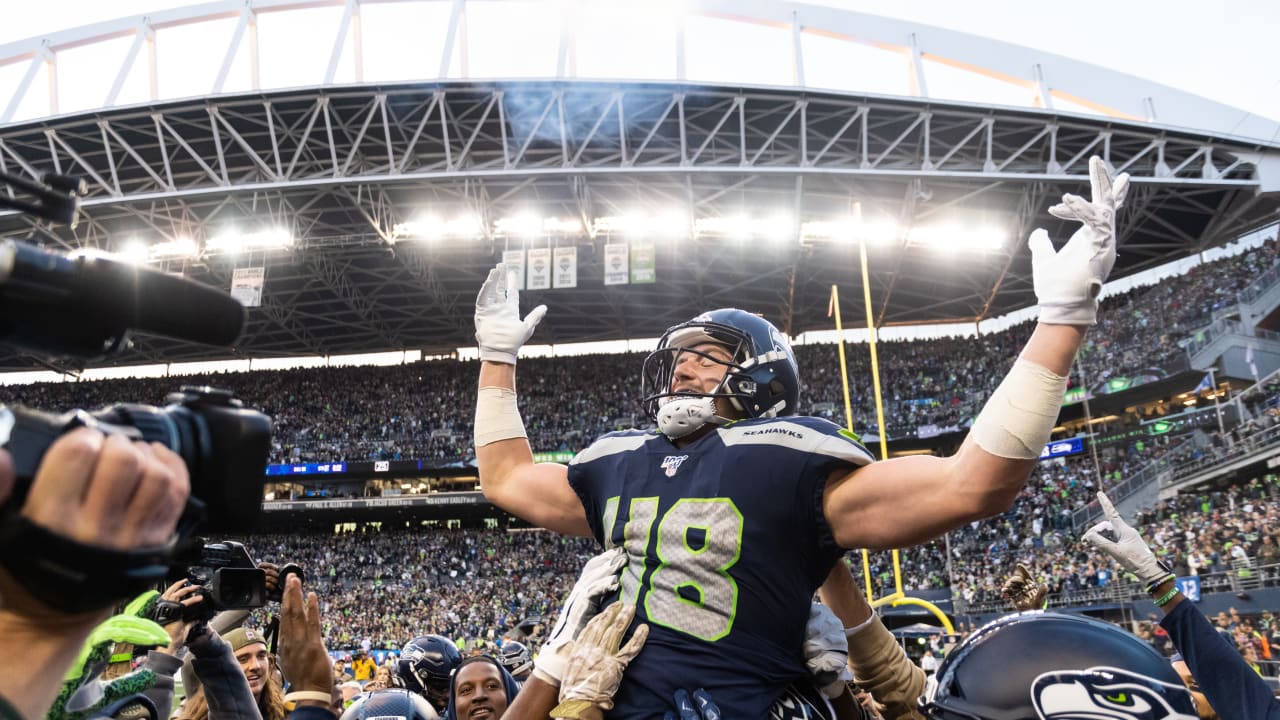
pixel 515 657
pixel 762 378
pixel 425 665
pixel 1050 666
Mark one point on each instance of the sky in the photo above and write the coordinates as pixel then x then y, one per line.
pixel 1221 50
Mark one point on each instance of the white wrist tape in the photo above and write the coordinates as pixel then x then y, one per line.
pixel 849 632
pixel 497 417
pixel 1019 417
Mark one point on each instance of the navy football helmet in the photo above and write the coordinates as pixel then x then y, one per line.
pixel 516 659
pixel 762 378
pixel 425 665
pixel 1050 666
pixel 390 703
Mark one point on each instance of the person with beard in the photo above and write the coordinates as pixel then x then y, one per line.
pixel 227 692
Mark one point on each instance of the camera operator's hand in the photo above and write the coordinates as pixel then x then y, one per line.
pixel 272 573
pixel 303 659
pixel 106 492
pixel 185 594
pixel 109 491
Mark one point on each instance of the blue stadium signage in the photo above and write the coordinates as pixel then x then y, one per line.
pixel 307 469
pixel 434 499
pixel 1060 448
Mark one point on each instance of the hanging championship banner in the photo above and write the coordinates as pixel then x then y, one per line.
pixel 514 260
pixel 643 263
pixel 539 269
pixel 246 285
pixel 566 267
pixel 615 264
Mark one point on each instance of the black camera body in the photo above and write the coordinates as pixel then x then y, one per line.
pixel 223 444
pixel 228 580
pixel 82 307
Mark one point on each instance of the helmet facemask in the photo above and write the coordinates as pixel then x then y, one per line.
pixel 681 413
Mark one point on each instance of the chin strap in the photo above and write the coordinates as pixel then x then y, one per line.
pixel 680 416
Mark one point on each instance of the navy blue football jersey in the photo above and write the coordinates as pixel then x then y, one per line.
pixel 726 543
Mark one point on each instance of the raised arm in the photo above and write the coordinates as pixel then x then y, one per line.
pixel 906 501
pixel 536 492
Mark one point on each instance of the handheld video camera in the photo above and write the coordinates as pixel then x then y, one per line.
pixel 82 308
pixel 228 580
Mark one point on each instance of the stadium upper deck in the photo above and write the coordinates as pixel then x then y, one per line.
pixel 375 196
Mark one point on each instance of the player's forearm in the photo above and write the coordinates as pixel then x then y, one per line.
pixel 1054 347
pixel 840 593
pixel 498 417
pixel 493 374
pixel 1011 430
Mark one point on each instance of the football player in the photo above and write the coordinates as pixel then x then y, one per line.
pixel 425 665
pixel 732 513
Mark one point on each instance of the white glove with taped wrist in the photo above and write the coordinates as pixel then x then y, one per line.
pixel 499 330
pixel 1129 549
pixel 1067 282
pixel 599 578
pixel 826 650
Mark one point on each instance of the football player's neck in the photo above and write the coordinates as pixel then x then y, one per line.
pixel 696 435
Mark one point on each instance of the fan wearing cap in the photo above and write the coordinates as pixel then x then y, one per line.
pixel 227 691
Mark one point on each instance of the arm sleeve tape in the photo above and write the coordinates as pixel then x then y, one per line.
pixel 882 668
pixel 1019 417
pixel 497 417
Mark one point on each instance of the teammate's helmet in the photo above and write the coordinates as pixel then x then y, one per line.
pixel 390 703
pixel 516 659
pixel 1041 666
pixel 425 664
pixel 762 380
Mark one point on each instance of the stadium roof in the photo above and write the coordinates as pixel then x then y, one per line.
pixel 395 198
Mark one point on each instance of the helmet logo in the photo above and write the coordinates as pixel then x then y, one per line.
pixel 779 342
pixel 1103 692
pixel 672 463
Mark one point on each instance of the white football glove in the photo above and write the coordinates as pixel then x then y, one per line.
pixel 1067 282
pixel 599 578
pixel 499 330
pixel 826 650
pixel 1128 548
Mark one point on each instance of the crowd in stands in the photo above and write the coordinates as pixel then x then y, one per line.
pixel 423 410
pixel 381 588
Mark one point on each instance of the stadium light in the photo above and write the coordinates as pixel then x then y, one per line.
pixel 524 225
pixel 134 252
pixel 879 232
pixel 563 226
pixel 777 228
pixel 672 224
pixel 233 242
pixel 176 249
pixel 432 227
pixel 731 226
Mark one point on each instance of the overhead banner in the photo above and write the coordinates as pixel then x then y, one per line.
pixel 616 270
pixel 566 267
pixel 246 285
pixel 539 270
pixel 643 263
pixel 514 260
